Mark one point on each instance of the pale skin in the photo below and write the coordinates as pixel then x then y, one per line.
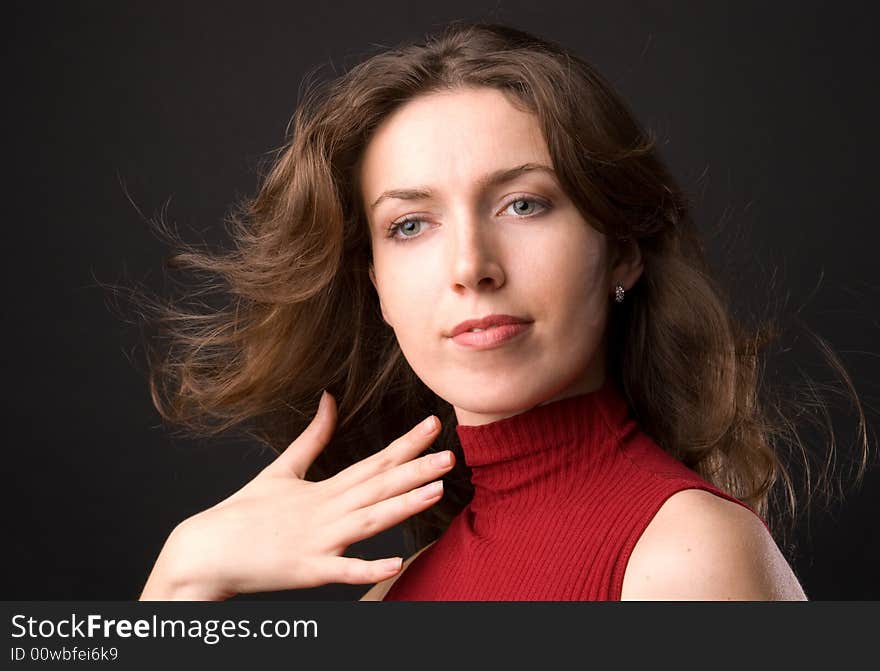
pixel 517 246
pixel 281 531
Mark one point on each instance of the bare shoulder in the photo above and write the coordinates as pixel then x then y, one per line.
pixel 701 547
pixel 378 591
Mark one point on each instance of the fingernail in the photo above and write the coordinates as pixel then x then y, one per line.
pixel 429 424
pixel 431 490
pixel 392 565
pixel 441 459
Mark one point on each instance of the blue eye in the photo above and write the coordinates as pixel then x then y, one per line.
pixel 517 204
pixel 399 226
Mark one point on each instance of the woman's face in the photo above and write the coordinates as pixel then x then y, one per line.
pixel 474 247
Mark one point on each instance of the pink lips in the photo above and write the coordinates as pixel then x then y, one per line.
pixel 497 329
pixel 492 337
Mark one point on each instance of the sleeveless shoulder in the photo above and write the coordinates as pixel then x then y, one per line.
pixel 660 477
pixel 700 546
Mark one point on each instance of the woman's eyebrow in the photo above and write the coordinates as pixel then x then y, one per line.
pixel 486 181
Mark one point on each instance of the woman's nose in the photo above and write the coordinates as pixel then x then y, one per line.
pixel 474 255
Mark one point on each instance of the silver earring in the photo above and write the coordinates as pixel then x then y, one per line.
pixel 618 293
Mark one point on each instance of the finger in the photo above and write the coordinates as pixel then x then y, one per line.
pixel 398 480
pixel 356 571
pixel 367 522
pixel 299 455
pixel 408 446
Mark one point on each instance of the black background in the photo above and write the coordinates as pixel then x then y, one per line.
pixel 766 112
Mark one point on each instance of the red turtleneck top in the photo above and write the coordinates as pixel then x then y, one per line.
pixel 562 492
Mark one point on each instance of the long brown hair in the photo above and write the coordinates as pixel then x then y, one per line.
pixel 298 314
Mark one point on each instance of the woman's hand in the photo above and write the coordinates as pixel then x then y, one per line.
pixel 281 531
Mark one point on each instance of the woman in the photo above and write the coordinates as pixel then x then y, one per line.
pixel 475 227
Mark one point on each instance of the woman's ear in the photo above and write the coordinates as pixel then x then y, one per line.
pixel 628 264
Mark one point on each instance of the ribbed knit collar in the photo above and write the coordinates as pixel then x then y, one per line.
pixel 541 451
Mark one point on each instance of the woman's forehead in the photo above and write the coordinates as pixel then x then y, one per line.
pixel 450 139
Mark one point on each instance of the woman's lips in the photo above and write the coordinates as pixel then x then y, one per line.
pixel 492 337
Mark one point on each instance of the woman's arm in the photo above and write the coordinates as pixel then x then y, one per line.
pixel 701 547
